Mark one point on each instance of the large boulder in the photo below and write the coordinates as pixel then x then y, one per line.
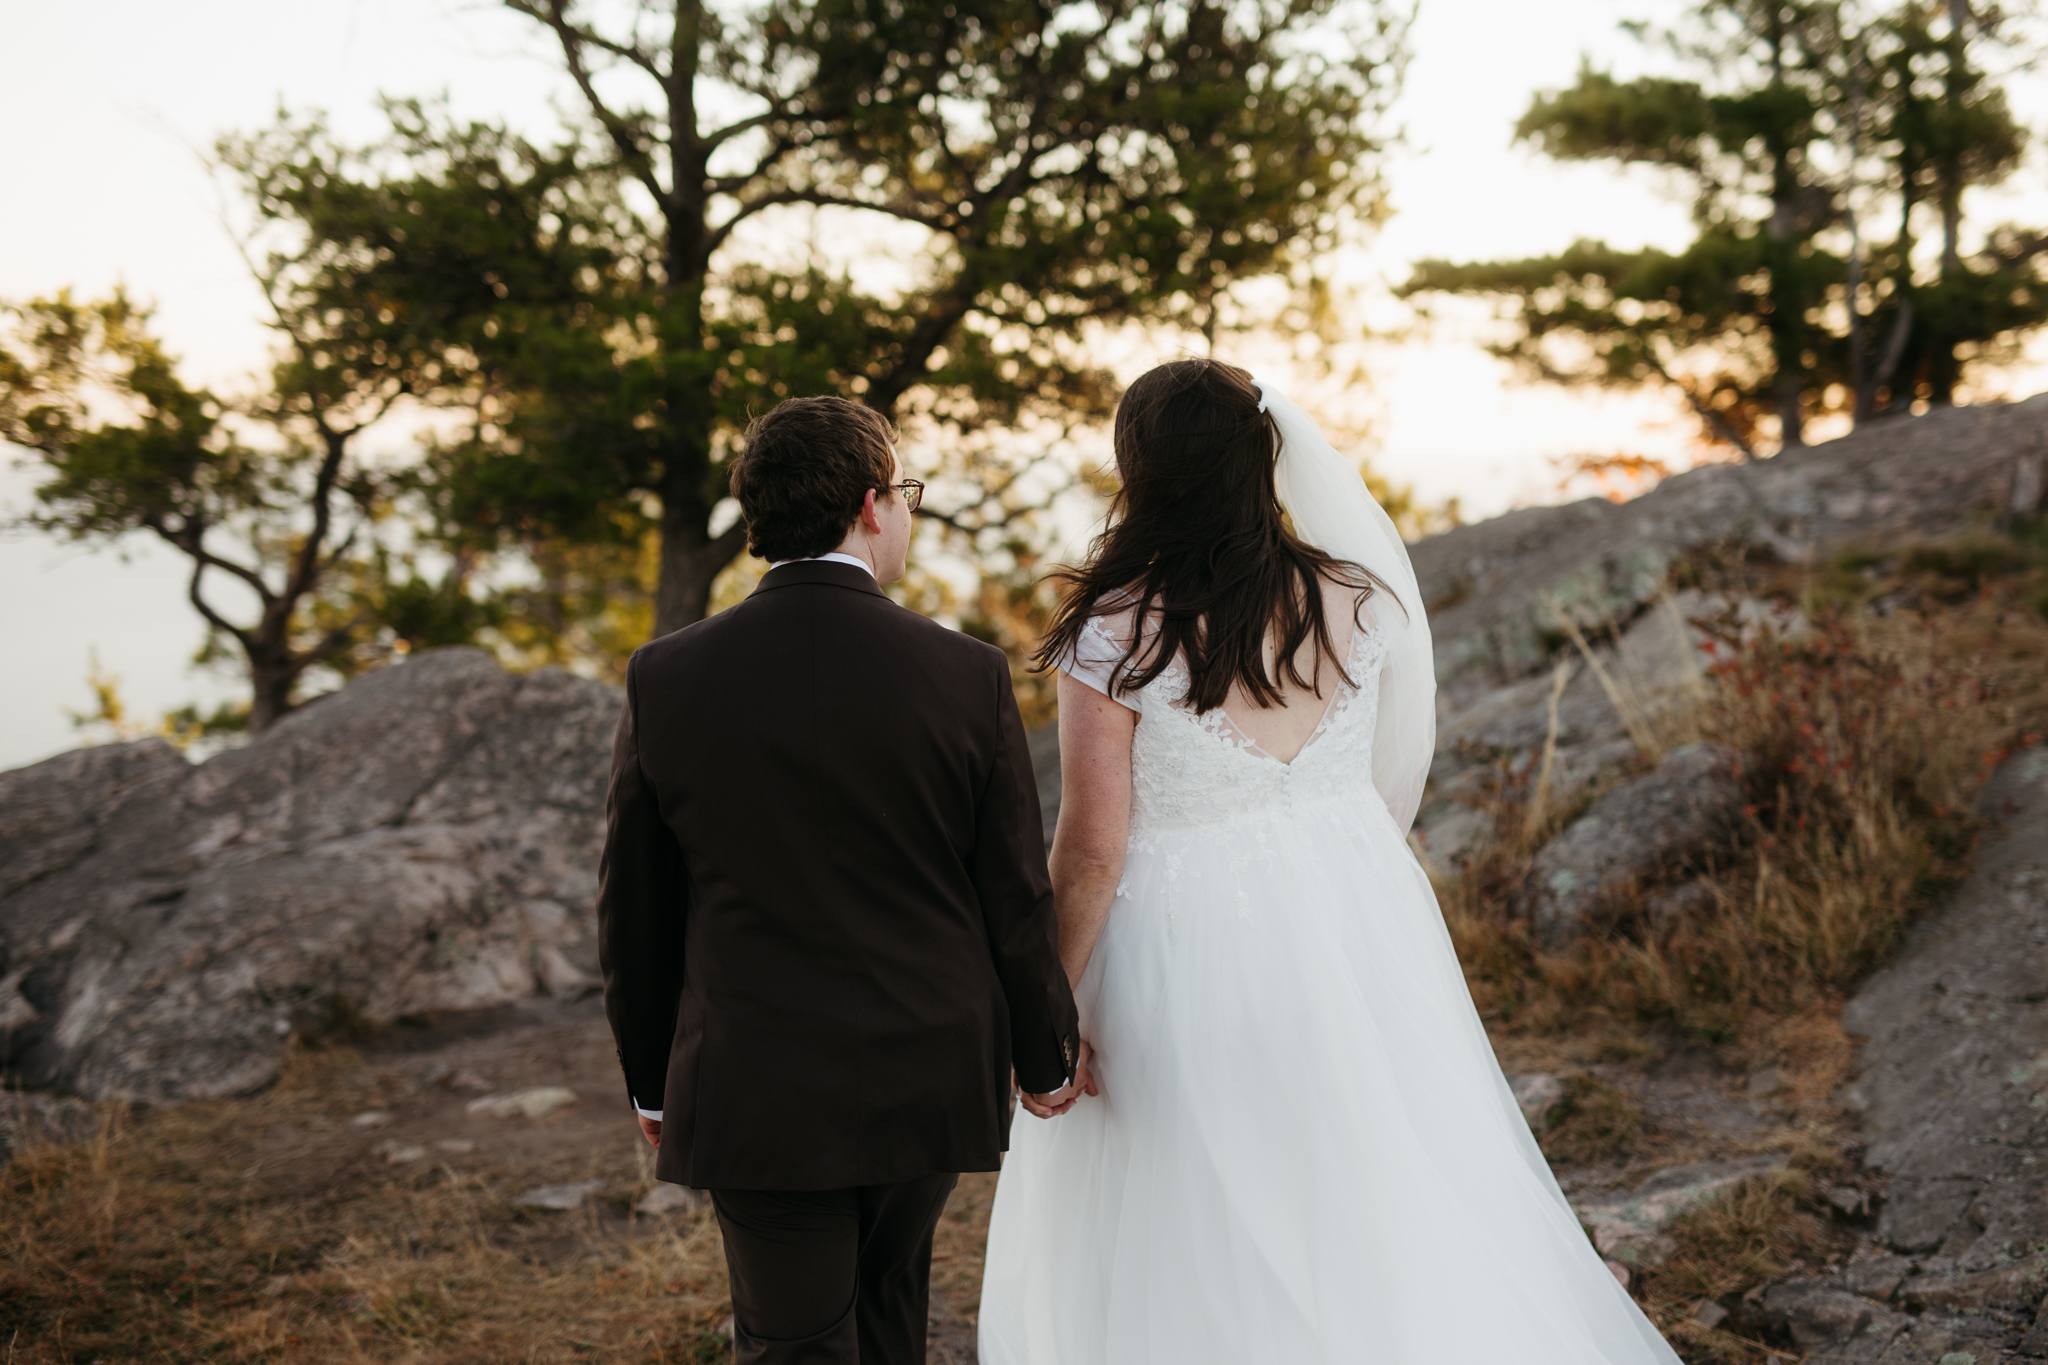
pixel 1636 835
pixel 1502 592
pixel 425 839
pixel 1499 590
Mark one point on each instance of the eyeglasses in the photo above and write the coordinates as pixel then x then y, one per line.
pixel 912 491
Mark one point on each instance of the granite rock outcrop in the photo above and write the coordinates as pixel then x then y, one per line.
pixel 425 839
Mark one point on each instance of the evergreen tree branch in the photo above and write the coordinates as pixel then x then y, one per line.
pixel 634 153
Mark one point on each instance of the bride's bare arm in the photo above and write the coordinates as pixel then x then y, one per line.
pixel 1095 816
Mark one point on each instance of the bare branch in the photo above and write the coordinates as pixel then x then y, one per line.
pixel 1010 514
pixel 555 16
pixel 1713 418
pixel 189 540
pixel 214 618
pixel 306 571
pixel 733 184
pixel 716 237
pixel 947 519
pixel 572 38
pixel 931 331
pixel 719 137
pixel 341 549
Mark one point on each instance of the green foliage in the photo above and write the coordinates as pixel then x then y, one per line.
pixel 1801 118
pixel 111 722
pixel 263 494
pixel 110 709
pixel 171 468
pixel 1634 318
pixel 608 313
pixel 580 329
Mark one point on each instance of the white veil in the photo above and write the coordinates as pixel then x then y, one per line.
pixel 1327 500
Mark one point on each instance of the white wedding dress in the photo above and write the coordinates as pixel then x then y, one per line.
pixel 1304 1150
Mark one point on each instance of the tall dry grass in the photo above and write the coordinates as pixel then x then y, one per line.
pixel 1866 731
pixel 184 1235
pixel 253 1230
pixel 1756 1233
pixel 1889 688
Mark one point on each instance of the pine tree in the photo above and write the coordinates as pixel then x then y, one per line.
pixel 1804 115
pixel 1046 169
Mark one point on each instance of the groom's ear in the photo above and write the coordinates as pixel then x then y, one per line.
pixel 868 516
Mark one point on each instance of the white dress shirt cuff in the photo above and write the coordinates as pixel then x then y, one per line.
pixel 654 1114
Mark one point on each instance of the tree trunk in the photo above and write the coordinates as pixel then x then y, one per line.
pixel 1957 83
pixel 1787 324
pixel 684 591
pixel 1786 396
pixel 272 681
pixel 1787 317
pixel 1941 369
pixel 1859 387
pixel 1886 364
pixel 691 557
pixel 1894 350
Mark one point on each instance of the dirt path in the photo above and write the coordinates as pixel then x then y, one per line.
pixel 427 1077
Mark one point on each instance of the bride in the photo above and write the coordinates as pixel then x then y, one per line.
pixel 1294 1144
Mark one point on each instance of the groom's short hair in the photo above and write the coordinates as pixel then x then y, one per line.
pixel 804 470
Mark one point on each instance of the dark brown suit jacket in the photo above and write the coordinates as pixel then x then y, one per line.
pixel 824 918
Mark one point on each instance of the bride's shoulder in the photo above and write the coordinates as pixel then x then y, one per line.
pixel 1120 616
pixel 1355 609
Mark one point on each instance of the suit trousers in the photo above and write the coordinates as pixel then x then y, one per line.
pixel 831 1277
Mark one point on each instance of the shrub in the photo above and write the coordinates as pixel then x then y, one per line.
pixel 1868 731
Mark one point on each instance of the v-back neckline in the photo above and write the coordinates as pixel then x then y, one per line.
pixel 1234 737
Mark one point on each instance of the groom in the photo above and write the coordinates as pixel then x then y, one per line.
pixel 824 918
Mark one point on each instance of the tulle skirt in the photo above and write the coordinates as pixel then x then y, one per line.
pixel 1304 1150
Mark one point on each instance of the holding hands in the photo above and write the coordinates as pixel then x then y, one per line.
pixel 1057 1102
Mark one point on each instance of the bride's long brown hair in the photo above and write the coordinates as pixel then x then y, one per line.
pixel 1196 536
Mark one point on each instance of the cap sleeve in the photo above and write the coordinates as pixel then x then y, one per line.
pixel 1098 654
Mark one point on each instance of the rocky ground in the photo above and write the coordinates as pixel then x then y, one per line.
pixel 1952 1096
pixel 1948 1214
pixel 522 1102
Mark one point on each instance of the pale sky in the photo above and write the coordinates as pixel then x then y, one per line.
pixel 107 102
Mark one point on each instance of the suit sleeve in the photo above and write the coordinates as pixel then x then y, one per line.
pixel 642 903
pixel 1016 904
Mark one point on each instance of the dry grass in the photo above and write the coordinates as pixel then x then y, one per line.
pixel 183 1235
pixel 236 1231
pixel 1594 1123
pixel 1754 1234
pixel 1868 733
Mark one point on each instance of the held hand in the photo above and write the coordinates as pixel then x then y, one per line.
pixel 1048 1106
pixel 1084 1076
pixel 652 1128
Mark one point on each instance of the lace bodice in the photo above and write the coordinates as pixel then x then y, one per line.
pixel 1190 771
